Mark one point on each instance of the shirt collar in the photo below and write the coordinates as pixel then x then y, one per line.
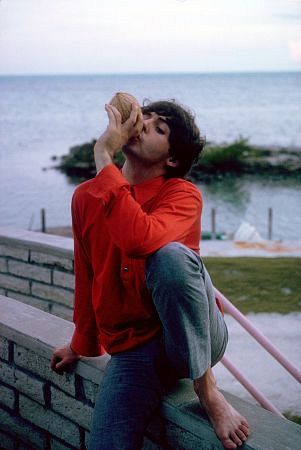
pixel 147 190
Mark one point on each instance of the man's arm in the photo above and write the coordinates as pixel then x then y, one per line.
pixel 84 340
pixel 136 232
pixel 85 336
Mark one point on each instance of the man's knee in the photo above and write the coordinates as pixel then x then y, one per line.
pixel 169 264
pixel 166 257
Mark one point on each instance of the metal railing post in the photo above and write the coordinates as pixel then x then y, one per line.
pixel 265 343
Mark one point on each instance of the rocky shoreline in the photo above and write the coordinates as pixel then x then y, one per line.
pixel 236 159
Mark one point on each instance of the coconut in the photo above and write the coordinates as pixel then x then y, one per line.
pixel 123 102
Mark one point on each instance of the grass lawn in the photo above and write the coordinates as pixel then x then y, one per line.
pixel 258 284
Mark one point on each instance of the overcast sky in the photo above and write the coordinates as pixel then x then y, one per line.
pixel 138 36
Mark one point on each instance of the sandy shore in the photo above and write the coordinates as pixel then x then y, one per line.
pixel 60 231
pixel 269 249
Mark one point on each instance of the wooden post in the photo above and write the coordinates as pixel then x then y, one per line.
pixel 43 220
pixel 213 224
pixel 270 224
pixel 31 222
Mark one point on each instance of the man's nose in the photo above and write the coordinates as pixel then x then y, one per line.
pixel 145 127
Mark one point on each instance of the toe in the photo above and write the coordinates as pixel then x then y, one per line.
pixel 245 423
pixel 242 436
pixel 235 438
pixel 228 443
pixel 245 430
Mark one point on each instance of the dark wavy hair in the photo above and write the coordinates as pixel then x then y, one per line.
pixel 186 142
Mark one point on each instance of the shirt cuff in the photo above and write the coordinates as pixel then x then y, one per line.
pixel 86 345
pixel 107 184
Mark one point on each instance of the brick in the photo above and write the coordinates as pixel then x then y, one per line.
pixel 62 311
pixel 52 260
pixel 3 348
pixel 14 283
pixel 14 252
pixel 90 390
pixel 56 294
pixel 71 408
pixel 48 420
pixel 7 396
pixel 41 367
pixel 44 305
pixel 17 427
pixel 3 265
pixel 22 382
pixel 63 279
pixel 7 442
pixel 65 312
pixel 29 271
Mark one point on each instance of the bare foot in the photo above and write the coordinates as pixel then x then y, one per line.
pixel 230 426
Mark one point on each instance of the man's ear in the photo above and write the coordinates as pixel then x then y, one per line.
pixel 172 162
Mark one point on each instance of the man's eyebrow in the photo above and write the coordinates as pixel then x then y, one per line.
pixel 163 119
pixel 160 118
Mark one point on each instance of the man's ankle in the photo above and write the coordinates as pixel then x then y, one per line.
pixel 205 385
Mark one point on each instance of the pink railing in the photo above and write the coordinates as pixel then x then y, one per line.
pixel 265 343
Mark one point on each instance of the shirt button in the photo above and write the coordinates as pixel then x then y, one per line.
pixel 125 269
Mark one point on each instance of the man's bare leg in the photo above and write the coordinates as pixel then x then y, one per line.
pixel 230 426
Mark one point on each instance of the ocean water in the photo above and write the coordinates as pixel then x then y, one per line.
pixel 42 116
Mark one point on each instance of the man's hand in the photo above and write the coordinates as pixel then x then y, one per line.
pixel 116 135
pixel 63 359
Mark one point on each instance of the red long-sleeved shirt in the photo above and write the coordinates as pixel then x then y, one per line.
pixel 116 226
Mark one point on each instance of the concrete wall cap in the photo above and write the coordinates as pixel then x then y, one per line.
pixel 55 245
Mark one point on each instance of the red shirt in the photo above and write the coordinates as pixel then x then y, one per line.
pixel 116 226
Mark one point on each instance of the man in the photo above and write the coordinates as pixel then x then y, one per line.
pixel 142 293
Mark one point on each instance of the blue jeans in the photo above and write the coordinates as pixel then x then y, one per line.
pixel 194 337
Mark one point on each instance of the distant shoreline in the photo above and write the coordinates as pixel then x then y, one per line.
pixel 218 160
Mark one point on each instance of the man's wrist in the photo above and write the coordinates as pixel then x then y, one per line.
pixel 74 352
pixel 102 158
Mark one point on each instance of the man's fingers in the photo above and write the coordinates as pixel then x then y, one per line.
pixel 138 123
pixel 55 364
pixel 54 360
pixel 134 113
pixel 134 124
pixel 62 365
pixel 58 362
pixel 110 113
pixel 58 371
pixel 113 114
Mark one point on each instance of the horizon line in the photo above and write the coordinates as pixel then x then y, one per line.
pixel 233 72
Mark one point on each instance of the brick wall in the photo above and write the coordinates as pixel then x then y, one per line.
pixel 38 408
pixel 37 269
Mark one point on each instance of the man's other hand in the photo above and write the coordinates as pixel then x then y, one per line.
pixel 116 135
pixel 63 359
